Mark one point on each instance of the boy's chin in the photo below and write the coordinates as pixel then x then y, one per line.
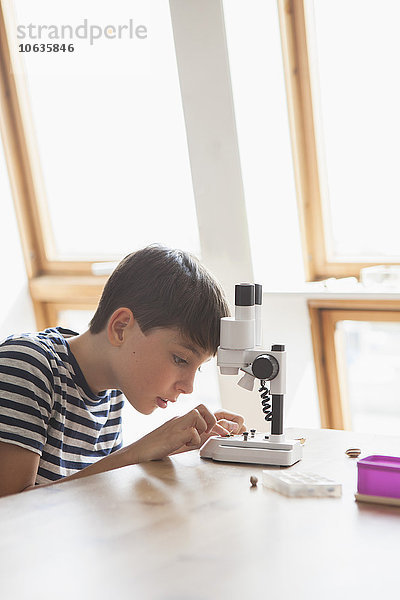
pixel 143 410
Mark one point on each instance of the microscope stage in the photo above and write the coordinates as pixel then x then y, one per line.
pixel 253 450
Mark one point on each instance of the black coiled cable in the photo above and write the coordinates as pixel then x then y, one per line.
pixel 265 400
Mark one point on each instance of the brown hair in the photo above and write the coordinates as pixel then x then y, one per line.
pixel 164 287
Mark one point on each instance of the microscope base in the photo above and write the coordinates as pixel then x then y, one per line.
pixel 254 450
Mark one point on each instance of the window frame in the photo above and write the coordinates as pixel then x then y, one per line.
pixel 26 178
pixel 48 281
pixel 306 144
pixel 329 369
pixel 24 168
pixel 69 283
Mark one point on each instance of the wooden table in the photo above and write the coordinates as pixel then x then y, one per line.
pixel 190 529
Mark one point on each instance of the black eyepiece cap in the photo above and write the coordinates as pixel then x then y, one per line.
pixel 258 293
pixel 278 348
pixel 244 294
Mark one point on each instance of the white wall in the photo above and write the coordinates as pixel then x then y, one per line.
pixel 286 321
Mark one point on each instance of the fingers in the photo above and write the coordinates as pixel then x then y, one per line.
pixel 196 424
pixel 177 434
pixel 219 429
pixel 190 431
pixel 233 422
pixel 208 417
pixel 230 416
pixel 194 441
pixel 224 426
pixel 193 419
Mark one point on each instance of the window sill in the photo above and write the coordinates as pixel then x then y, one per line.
pixel 335 291
pixel 67 288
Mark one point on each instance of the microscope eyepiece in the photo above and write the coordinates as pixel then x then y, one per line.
pixel 258 293
pixel 244 294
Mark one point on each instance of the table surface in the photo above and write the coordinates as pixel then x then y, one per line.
pixel 187 528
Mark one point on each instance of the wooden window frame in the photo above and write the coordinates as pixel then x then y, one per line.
pixel 26 178
pixel 331 381
pixel 308 158
pixel 70 283
pixel 23 163
pixel 49 281
pixel 312 194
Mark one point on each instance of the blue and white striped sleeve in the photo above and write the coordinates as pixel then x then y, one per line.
pixel 26 384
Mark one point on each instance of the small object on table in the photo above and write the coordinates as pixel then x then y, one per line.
pixel 353 452
pixel 253 480
pixel 301 440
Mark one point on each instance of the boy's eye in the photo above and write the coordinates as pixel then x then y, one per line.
pixel 179 361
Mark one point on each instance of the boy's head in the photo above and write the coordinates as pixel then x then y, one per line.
pixel 165 288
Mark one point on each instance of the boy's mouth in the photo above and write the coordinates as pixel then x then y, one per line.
pixel 161 403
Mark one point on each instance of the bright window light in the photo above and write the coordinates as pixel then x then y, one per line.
pixel 356 56
pixel 372 348
pixel 109 126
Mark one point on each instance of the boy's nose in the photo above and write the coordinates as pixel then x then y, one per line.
pixel 185 386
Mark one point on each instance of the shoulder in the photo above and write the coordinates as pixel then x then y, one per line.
pixel 45 342
pixel 33 352
pixel 25 348
pixel 27 387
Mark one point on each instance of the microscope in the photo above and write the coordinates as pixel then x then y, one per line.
pixel 241 349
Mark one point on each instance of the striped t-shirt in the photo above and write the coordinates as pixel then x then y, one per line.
pixel 47 406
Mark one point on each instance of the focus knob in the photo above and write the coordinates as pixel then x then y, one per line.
pixel 265 367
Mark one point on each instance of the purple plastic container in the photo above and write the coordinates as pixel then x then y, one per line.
pixel 379 476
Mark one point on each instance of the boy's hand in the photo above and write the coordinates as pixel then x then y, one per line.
pixel 178 434
pixel 226 422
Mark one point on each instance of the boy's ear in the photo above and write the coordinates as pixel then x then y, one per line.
pixel 118 324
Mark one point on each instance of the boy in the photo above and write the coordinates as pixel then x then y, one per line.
pixel 157 321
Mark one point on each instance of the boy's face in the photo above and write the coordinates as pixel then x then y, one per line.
pixel 153 369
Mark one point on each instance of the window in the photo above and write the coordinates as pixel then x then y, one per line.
pixel 357 362
pixel 341 63
pixel 372 376
pixel 109 130
pixel 99 161
pixel 359 96
pixel 53 166
pixel 139 125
